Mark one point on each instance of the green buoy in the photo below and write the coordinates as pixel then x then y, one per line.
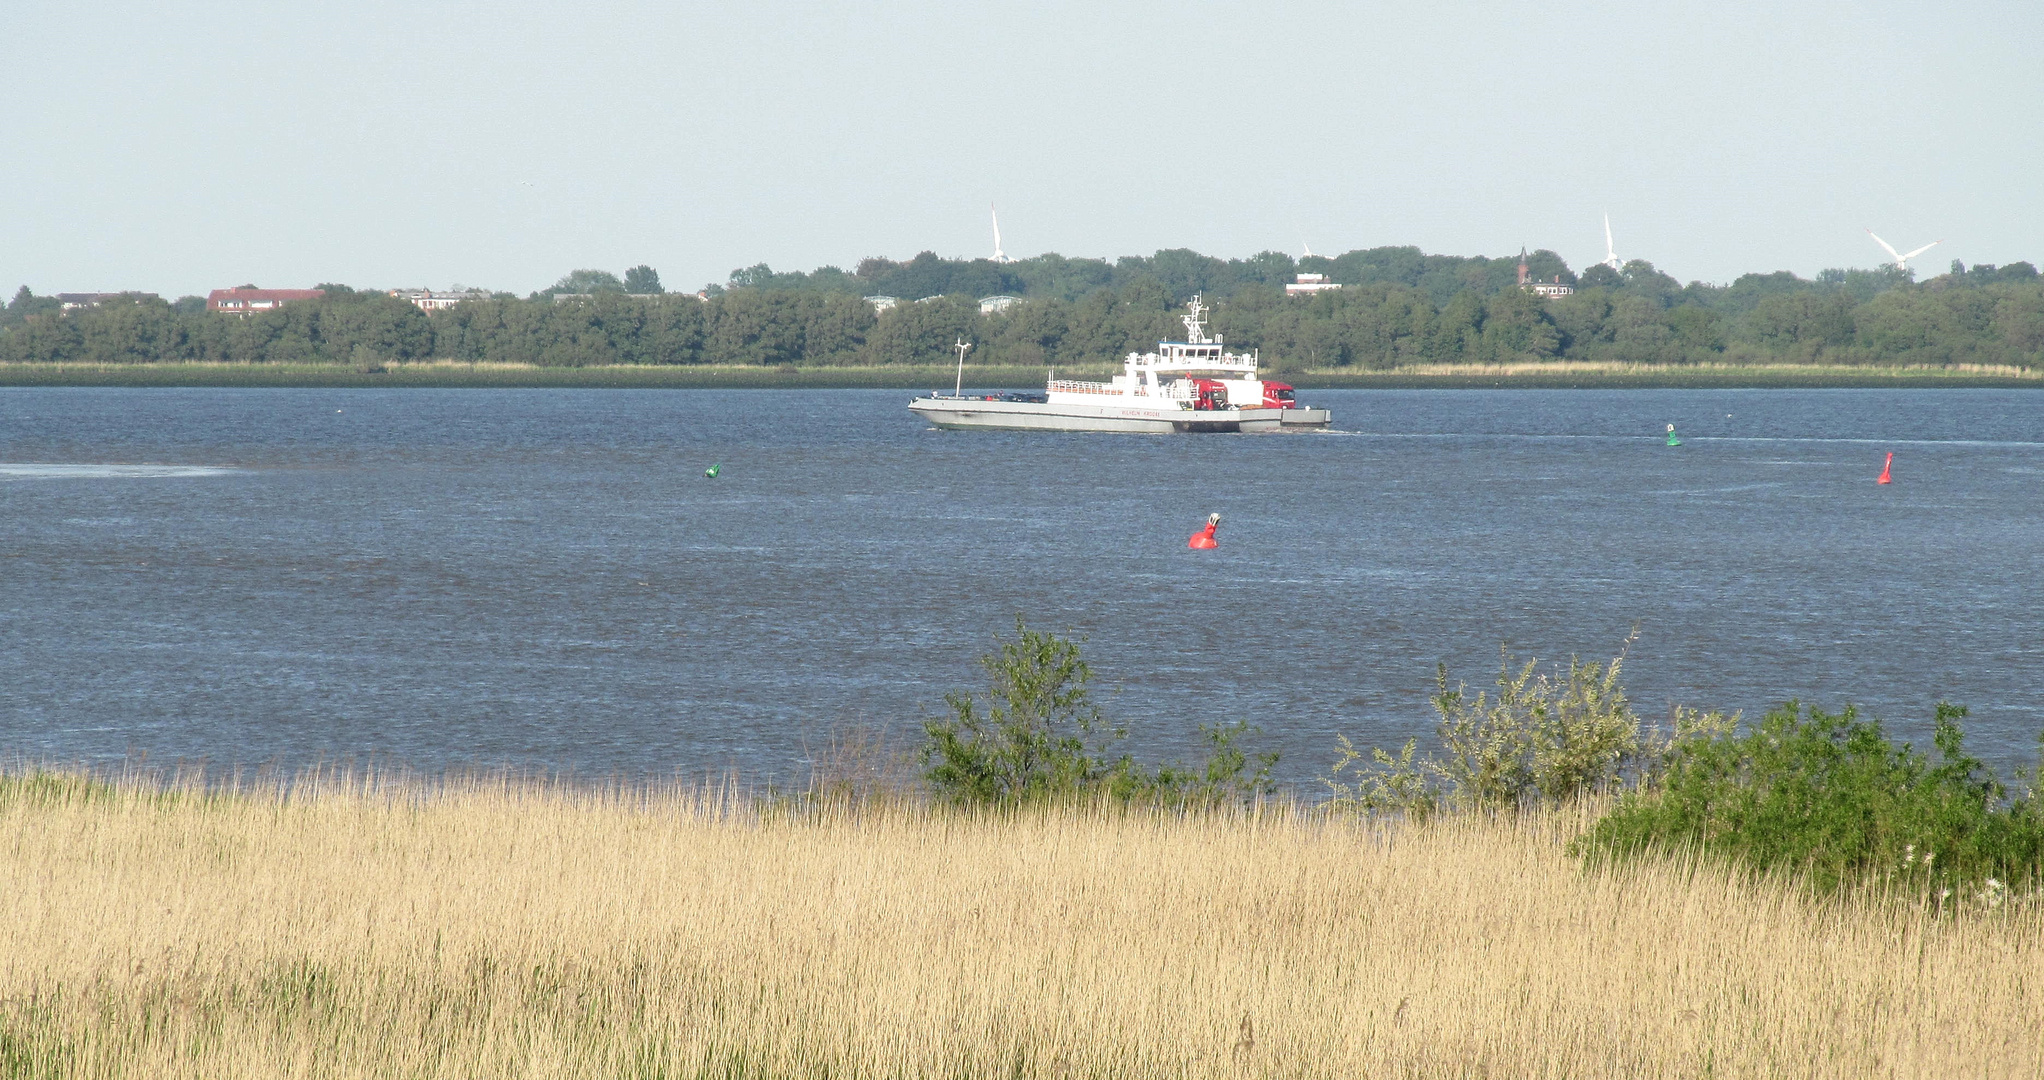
pixel 1672 440
pixel 712 471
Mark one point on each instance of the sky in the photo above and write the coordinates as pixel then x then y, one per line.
pixel 177 148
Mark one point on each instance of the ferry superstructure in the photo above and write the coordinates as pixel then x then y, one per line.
pixel 1194 385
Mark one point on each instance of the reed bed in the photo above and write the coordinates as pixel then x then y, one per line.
pixel 1618 374
pixel 347 928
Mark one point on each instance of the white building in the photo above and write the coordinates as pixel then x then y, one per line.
pixel 72 301
pixel 882 303
pixel 428 300
pixel 991 304
pixel 1307 284
pixel 1552 290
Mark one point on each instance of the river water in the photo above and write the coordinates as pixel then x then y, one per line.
pixel 546 579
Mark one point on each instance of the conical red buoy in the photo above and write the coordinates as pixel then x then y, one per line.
pixel 1885 466
pixel 1204 538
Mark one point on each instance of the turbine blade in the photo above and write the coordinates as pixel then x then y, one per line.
pixel 1921 250
pixel 1892 253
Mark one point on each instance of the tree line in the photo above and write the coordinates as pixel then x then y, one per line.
pixel 1399 307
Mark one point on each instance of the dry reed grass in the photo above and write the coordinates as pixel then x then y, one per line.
pixel 1956 372
pixel 506 930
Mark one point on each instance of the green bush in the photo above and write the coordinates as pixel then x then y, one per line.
pixel 1543 740
pixel 1036 736
pixel 1833 797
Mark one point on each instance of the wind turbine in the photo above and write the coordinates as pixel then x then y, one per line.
pixel 1610 253
pixel 1308 249
pixel 999 256
pixel 1902 261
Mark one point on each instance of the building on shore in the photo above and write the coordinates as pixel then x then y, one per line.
pixel 564 297
pixel 1308 284
pixel 72 301
pixel 246 302
pixel 1552 290
pixel 989 305
pixel 428 300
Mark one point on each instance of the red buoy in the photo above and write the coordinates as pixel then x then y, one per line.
pixel 1204 538
pixel 1885 466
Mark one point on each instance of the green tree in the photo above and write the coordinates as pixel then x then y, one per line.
pixel 643 280
pixel 2019 323
pixel 1800 322
pixel 1697 329
pixel 581 282
pixel 1035 734
pixel 1516 326
pixel 754 326
pixel 27 303
pixel 835 328
pixel 922 332
pixel 1600 276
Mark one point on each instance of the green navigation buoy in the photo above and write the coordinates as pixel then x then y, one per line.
pixel 1672 440
pixel 712 471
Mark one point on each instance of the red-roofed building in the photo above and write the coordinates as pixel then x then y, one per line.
pixel 251 301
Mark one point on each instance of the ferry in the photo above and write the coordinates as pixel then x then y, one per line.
pixel 1190 385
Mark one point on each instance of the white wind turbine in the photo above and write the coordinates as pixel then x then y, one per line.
pixel 1610 253
pixel 1901 260
pixel 999 256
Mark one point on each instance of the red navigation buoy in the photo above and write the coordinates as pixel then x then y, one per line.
pixel 1885 466
pixel 1204 538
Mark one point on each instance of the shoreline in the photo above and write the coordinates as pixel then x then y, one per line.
pixel 449 375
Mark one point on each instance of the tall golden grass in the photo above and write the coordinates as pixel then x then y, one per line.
pixel 511 930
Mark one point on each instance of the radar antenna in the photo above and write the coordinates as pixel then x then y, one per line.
pixel 1195 327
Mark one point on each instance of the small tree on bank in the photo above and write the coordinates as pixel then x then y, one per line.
pixel 1036 735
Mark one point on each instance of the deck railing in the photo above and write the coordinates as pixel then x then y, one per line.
pixel 1069 386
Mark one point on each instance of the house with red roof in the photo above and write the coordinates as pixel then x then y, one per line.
pixel 253 301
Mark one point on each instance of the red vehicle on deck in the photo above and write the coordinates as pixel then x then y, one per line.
pixel 1277 395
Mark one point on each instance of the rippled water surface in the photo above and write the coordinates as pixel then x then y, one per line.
pixel 546 578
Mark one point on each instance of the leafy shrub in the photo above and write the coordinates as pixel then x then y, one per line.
pixel 1833 797
pixel 1036 735
pixel 1542 740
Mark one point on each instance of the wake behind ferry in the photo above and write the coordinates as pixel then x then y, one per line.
pixel 1190 385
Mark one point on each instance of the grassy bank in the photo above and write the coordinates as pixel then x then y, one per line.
pixel 620 377
pixel 508 931
pixel 448 374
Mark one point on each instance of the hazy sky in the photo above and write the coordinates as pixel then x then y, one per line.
pixel 176 148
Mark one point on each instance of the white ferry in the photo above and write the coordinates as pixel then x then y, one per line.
pixel 1190 385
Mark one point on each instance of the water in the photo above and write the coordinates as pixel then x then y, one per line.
pixel 546 579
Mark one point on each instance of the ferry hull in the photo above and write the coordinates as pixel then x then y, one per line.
pixel 962 413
